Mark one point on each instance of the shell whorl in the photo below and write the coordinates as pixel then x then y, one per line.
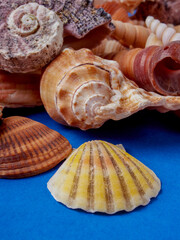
pixel 82 87
pixel 32 35
pixel 163 32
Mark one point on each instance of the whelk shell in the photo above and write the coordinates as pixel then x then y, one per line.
pixel 99 176
pixel 28 148
pixel 84 91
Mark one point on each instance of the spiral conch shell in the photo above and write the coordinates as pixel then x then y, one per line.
pixel 99 176
pixel 31 36
pixel 28 148
pixel 83 90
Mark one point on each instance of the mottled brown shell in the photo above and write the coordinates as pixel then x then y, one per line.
pixel 28 148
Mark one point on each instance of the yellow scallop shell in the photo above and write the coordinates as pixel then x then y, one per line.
pixel 99 176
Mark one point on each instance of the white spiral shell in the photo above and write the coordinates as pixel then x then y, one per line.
pixel 163 32
pixel 32 37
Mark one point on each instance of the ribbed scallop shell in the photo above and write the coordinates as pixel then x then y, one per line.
pixel 163 32
pixel 31 36
pixel 100 176
pixel 28 148
pixel 20 90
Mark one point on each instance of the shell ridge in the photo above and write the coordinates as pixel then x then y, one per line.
pixel 74 186
pixel 133 176
pixel 122 182
pixel 90 190
pixel 107 183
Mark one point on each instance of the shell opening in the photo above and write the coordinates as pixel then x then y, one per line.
pixel 167 74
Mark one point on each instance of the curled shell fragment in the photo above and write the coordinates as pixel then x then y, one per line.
pixel 155 68
pixel 28 148
pixel 101 177
pixel 88 90
pixel 31 36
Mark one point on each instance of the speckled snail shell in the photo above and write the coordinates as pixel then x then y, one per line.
pixel 31 36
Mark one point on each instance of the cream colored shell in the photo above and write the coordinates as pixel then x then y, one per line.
pixel 163 32
pixel 100 176
pixel 35 35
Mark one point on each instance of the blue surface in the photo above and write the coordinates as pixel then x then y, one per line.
pixel 28 211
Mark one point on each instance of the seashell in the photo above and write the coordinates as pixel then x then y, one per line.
pixel 117 11
pixel 101 177
pixel 29 148
pixel 32 36
pixel 99 34
pixel 177 28
pixel 130 5
pixel 20 90
pixel 87 91
pixel 153 41
pixel 1 109
pixel 163 32
pixel 130 35
pixel 108 48
pixel 167 11
pixel 80 17
pixel 153 68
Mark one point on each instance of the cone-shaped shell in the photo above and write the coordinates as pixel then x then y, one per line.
pixel 130 35
pixel 28 148
pixel 20 90
pixel 163 32
pixel 99 176
pixel 153 41
pixel 108 48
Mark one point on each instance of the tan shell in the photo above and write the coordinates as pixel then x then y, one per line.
pixel 163 32
pixel 177 28
pixel 28 148
pixel 153 41
pixel 20 90
pixel 108 48
pixel 32 37
pixel 130 35
pixel 100 176
pixel 83 90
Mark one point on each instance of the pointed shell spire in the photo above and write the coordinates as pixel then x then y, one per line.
pixel 99 176
pixel 28 148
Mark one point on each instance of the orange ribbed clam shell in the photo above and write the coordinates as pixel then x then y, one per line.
pixel 28 148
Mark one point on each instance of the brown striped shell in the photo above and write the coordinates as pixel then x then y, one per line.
pixel 20 90
pixel 29 148
pixel 83 90
pixel 31 36
pixel 99 176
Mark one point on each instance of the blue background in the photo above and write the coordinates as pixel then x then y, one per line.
pixel 28 211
